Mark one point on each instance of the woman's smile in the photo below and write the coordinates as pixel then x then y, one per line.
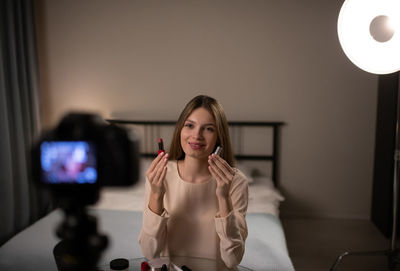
pixel 196 146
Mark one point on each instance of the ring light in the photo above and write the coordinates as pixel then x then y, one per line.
pixel 369 33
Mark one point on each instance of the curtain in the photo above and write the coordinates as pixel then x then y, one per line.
pixel 21 202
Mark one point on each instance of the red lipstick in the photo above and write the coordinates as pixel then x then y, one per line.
pixel 160 146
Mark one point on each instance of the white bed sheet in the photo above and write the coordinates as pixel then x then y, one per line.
pixel 32 249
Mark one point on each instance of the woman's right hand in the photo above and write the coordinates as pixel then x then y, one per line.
pixel 156 174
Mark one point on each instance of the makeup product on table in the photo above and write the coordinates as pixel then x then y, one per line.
pixel 156 264
pixel 160 146
pixel 119 265
pixel 144 266
pixel 174 267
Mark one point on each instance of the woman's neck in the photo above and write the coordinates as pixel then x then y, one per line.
pixel 194 170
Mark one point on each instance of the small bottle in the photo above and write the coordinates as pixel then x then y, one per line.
pixel 157 263
pixel 218 150
pixel 119 264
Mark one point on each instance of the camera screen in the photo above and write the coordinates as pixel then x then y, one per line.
pixel 64 162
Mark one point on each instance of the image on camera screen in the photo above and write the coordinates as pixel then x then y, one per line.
pixel 64 162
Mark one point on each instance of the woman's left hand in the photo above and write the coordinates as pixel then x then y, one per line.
pixel 223 174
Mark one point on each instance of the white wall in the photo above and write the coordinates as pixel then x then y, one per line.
pixel 263 60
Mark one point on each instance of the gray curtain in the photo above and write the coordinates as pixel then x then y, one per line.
pixel 20 201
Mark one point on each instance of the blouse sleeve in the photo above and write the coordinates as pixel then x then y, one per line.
pixel 153 235
pixel 232 229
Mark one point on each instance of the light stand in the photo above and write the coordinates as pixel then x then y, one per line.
pixel 393 252
pixel 376 52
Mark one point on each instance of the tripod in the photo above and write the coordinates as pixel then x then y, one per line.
pixel 393 252
pixel 81 245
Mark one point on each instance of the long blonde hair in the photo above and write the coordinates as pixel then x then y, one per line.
pixel 216 110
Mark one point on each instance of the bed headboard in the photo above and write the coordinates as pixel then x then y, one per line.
pixel 240 131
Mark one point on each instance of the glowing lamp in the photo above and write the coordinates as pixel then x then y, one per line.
pixel 369 33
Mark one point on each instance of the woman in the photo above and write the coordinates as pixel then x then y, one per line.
pixel 195 201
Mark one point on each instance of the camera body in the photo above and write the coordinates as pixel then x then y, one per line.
pixel 81 155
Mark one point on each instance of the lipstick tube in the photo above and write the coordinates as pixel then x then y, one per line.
pixel 144 266
pixel 218 150
pixel 160 146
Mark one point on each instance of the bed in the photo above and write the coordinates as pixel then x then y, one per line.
pixel 119 210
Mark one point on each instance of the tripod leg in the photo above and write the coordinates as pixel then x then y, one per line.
pixel 338 261
pixel 361 253
pixel 393 259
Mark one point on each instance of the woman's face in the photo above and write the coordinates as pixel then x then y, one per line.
pixel 199 134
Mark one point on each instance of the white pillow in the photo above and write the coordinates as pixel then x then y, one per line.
pixel 125 198
pixel 247 171
pixel 264 197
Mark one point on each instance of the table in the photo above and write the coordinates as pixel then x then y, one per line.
pixel 195 264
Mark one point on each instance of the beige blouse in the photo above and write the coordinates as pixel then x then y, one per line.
pixel 190 224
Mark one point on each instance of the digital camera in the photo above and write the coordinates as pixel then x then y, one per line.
pixel 82 154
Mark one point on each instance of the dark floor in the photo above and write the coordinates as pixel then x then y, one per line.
pixel 314 244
